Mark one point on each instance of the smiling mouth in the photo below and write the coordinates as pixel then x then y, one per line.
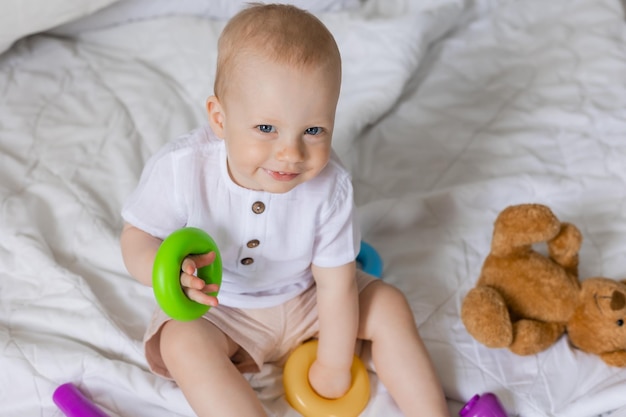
pixel 281 176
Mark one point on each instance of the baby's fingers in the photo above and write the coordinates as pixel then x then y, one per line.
pixel 201 297
pixel 189 266
pixel 208 288
pixel 191 281
pixel 194 287
pixel 204 259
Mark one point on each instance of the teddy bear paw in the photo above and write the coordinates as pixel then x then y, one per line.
pixel 486 317
pixel 531 336
pixel 564 247
pixel 617 358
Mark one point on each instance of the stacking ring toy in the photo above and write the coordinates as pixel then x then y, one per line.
pixel 73 403
pixel 307 402
pixel 370 260
pixel 166 272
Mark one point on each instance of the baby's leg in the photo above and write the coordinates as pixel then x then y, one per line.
pixel 197 354
pixel 401 360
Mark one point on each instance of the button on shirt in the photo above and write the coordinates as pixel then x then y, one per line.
pixel 258 207
pixel 267 241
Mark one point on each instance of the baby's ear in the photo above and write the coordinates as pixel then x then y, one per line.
pixel 216 116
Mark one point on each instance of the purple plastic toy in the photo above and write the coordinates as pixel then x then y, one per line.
pixel 73 403
pixel 486 405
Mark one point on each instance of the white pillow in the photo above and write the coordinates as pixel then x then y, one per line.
pixel 404 7
pixel 130 10
pixel 24 17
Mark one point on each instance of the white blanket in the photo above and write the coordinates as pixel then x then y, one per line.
pixel 450 111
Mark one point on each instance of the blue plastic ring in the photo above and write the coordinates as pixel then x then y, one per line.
pixel 369 260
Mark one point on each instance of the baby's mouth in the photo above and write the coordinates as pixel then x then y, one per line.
pixel 281 175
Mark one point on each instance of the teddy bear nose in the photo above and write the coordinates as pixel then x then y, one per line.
pixel 618 300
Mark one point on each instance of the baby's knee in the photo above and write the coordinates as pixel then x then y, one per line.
pixel 172 342
pixel 385 308
pixel 390 297
pixel 397 304
pixel 184 340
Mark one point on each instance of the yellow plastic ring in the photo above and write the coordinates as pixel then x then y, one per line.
pixel 307 402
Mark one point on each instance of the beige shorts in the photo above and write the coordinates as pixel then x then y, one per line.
pixel 264 335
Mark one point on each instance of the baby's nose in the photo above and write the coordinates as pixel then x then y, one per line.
pixel 291 151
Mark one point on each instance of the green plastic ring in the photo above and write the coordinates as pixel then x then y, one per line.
pixel 167 267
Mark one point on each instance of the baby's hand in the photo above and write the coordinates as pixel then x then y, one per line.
pixel 328 382
pixel 195 288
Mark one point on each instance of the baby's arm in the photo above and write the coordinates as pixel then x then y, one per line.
pixel 338 310
pixel 139 249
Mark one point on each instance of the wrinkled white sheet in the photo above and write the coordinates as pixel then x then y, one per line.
pixel 448 114
pixel 20 18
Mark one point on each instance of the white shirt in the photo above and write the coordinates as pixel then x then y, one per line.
pixel 187 184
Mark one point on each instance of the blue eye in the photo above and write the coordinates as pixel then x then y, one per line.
pixel 266 128
pixel 313 131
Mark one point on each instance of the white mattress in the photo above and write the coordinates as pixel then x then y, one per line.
pixel 450 111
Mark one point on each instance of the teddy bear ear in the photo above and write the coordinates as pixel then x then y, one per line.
pixel 618 301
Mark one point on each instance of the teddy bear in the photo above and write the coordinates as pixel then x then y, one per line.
pixel 525 300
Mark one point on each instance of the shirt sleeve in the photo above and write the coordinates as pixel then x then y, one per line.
pixel 338 239
pixel 154 206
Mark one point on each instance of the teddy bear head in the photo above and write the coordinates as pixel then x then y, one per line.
pixel 598 324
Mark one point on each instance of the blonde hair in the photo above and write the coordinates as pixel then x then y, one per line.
pixel 277 32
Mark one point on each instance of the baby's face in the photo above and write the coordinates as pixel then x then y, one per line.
pixel 278 124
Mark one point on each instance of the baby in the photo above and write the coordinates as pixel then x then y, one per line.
pixel 263 181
